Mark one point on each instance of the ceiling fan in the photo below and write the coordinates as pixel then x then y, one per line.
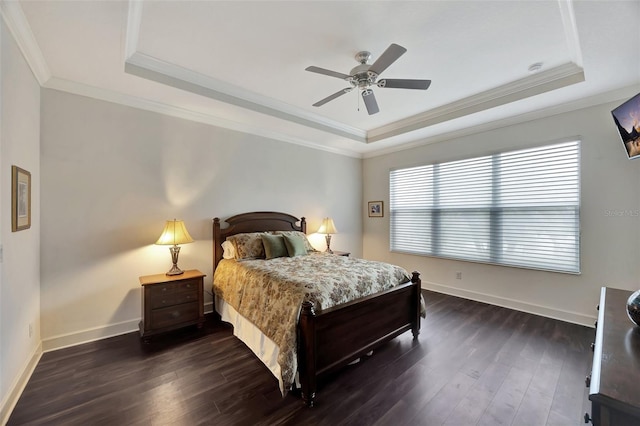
pixel 364 76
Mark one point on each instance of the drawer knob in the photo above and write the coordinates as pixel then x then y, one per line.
pixel 593 347
pixel 587 418
pixel 587 380
pixel 595 324
pixel 164 289
pixel 164 302
pixel 598 307
pixel 175 314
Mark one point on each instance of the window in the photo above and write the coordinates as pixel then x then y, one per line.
pixel 519 208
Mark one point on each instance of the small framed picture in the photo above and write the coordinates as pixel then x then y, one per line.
pixel 376 209
pixel 20 199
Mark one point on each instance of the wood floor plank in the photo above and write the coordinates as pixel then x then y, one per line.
pixel 472 364
pixel 506 401
pixel 536 403
pixel 473 405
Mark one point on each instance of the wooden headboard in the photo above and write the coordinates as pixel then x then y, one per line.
pixel 253 222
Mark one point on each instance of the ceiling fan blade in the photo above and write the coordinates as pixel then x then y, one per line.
pixel 370 101
pixel 328 72
pixel 395 83
pixel 332 97
pixel 389 56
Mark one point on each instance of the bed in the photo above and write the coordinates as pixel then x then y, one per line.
pixel 326 339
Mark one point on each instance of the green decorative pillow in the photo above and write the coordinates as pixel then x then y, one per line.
pixel 302 235
pixel 274 246
pixel 296 245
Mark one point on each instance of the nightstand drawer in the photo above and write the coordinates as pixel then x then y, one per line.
pixel 176 287
pixel 174 315
pixel 161 297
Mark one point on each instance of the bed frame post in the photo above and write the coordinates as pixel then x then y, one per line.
pixel 415 328
pixel 217 255
pixel 307 353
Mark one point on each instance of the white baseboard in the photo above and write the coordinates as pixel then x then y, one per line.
pixel 16 389
pixel 97 333
pixel 545 311
pixel 89 335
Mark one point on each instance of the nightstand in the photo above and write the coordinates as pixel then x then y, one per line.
pixel 171 302
pixel 342 253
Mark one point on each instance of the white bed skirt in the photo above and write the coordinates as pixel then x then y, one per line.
pixel 264 348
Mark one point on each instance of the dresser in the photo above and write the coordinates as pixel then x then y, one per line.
pixel 171 302
pixel 614 382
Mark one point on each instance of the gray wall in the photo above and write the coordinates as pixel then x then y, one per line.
pixel 20 267
pixel 112 175
pixel 610 224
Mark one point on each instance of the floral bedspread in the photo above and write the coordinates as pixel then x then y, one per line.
pixel 269 293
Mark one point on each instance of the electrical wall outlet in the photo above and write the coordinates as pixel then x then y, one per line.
pixel 458 275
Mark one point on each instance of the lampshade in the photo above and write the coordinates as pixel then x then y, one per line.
pixel 327 227
pixel 174 233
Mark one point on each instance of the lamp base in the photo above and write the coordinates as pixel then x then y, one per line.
pixel 328 240
pixel 175 251
pixel 175 271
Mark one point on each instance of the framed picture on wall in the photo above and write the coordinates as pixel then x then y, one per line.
pixel 376 209
pixel 20 199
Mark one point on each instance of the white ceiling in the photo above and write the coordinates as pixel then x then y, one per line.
pixel 241 64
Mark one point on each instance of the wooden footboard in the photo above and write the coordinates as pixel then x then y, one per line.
pixel 331 339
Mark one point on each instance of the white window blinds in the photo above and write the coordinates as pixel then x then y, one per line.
pixel 519 208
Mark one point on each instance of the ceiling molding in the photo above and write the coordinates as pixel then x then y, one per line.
pixel 570 31
pixel 145 66
pixel 165 73
pixel 618 95
pixel 183 113
pixel 172 75
pixel 132 30
pixel 554 78
pixel 19 27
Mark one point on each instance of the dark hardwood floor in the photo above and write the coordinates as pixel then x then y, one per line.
pixel 473 364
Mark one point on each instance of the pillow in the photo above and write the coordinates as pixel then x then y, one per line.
pixel 229 250
pixel 307 244
pixel 295 245
pixel 274 246
pixel 248 246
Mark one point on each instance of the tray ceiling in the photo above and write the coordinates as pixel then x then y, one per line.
pixel 241 64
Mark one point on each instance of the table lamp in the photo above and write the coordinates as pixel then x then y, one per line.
pixel 174 233
pixel 328 228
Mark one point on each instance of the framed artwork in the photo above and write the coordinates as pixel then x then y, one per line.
pixel 376 209
pixel 20 199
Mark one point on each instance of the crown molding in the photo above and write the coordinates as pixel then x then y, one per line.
pixel 19 27
pixel 165 73
pixel 145 66
pixel 160 71
pixel 173 111
pixel 554 78
pixel 616 95
pixel 570 31
pixel 132 30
